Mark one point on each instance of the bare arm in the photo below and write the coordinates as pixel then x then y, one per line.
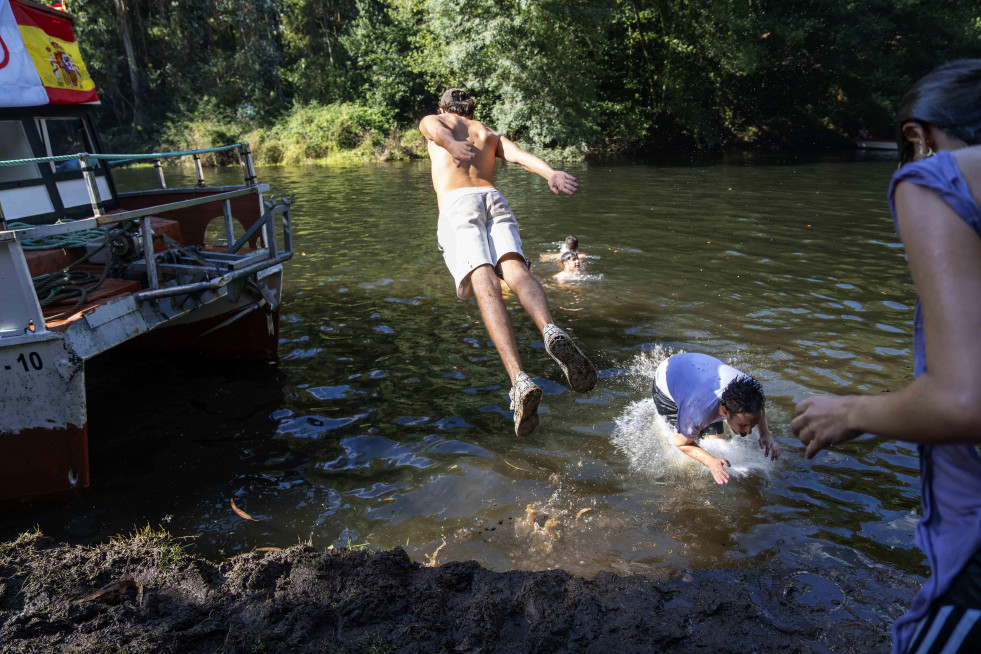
pixel 942 405
pixel 434 129
pixel 767 444
pixel 558 181
pixel 716 465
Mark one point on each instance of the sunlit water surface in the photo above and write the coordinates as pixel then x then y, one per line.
pixel 386 421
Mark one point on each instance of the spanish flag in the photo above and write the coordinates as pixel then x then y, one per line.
pixel 40 62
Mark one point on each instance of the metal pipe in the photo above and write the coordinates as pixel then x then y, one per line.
pixel 151 263
pixel 112 218
pixel 160 173
pixel 90 184
pixel 198 169
pixel 260 225
pixel 247 165
pixel 288 230
pixel 229 226
pixel 269 231
pixel 215 283
pixel 63 228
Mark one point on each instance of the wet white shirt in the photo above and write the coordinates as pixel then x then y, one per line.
pixel 695 383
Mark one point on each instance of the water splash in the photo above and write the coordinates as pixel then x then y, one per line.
pixel 647 440
pixel 583 277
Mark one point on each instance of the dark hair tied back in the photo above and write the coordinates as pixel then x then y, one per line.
pixel 948 97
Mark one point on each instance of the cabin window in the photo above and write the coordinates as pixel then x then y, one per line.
pixel 14 145
pixel 65 136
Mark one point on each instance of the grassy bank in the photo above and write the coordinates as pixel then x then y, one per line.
pixel 338 133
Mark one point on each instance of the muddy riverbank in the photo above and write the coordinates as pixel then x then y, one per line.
pixel 147 593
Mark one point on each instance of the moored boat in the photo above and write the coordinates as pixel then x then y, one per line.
pixel 885 145
pixel 85 268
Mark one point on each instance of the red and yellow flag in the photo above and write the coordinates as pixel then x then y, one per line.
pixel 48 41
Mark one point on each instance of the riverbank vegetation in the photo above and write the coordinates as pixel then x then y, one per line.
pixel 323 79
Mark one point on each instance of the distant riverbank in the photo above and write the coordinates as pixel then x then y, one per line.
pixel 338 133
pixel 353 133
pixel 149 593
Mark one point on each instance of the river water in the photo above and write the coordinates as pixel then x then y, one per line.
pixel 386 422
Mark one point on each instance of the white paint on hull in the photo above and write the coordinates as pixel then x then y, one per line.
pixel 42 384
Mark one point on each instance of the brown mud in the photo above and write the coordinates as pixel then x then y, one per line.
pixel 146 593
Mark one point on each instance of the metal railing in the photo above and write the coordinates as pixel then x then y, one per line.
pixel 265 227
pixel 88 172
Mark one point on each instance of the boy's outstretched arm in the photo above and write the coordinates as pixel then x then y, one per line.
pixel 716 465
pixel 559 181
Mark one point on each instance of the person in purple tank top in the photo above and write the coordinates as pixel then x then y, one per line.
pixel 935 199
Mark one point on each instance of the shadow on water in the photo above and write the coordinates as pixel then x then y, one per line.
pixel 165 431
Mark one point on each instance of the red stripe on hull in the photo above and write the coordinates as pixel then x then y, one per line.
pixel 40 465
pixel 248 337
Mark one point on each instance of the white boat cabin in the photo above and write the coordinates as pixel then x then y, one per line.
pixel 44 192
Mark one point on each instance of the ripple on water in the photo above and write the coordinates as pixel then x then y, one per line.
pixel 411 420
pixel 330 392
pixel 368 451
pixel 452 422
pixel 315 426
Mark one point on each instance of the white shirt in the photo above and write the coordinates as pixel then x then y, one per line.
pixel 695 383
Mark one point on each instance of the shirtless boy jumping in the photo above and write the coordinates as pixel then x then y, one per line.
pixel 478 236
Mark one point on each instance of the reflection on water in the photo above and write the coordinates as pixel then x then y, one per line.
pixel 386 421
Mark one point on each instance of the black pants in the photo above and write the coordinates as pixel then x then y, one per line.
pixel 669 411
pixel 954 620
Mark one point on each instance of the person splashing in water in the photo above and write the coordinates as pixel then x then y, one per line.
pixel 696 392
pixel 478 236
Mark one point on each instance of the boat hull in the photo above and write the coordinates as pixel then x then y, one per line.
pixel 43 422
pixel 43 465
pixel 43 414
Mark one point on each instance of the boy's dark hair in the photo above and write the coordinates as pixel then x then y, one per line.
pixel 743 395
pixel 458 101
pixel 948 97
pixel 571 242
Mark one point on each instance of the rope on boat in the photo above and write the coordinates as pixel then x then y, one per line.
pixel 57 287
pixel 58 241
pixel 111 157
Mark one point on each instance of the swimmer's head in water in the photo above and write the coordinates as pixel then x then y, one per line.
pixel 947 97
pixel 570 261
pixel 458 101
pixel 571 243
pixel 742 403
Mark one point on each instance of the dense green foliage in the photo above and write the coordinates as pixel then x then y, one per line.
pixel 307 78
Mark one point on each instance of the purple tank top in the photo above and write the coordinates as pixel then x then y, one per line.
pixel 950 475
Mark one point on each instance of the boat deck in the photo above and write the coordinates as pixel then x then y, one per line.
pixel 41 262
pixel 56 317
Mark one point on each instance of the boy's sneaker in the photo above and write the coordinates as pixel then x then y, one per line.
pixel 525 396
pixel 577 368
